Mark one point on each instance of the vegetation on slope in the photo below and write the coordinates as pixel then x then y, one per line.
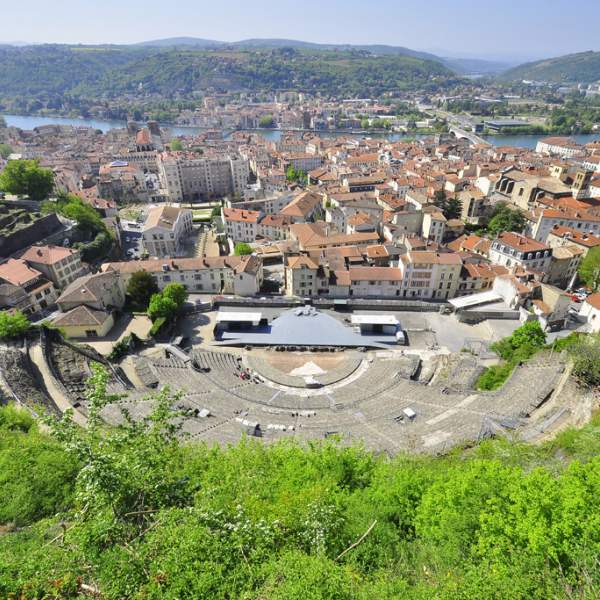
pixel 130 512
pixel 49 71
pixel 582 67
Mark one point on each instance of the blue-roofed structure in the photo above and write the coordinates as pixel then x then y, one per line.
pixel 305 326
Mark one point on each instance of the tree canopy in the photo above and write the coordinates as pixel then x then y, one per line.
pixel 5 150
pixel 267 121
pixel 298 175
pixel 589 269
pixel 176 145
pixel 505 218
pixel 242 249
pixel 140 288
pixel 13 325
pixel 27 178
pixel 168 303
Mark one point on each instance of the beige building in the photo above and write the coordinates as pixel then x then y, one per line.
pixel 560 146
pixel 187 176
pixel 239 275
pixel 25 288
pixel 85 322
pixel 584 221
pixel 98 291
pixel 58 264
pixel 165 229
pixel 567 236
pixel 564 265
pixel 302 277
pixel 428 274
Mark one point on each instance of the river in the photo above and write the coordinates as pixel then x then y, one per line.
pixel 29 122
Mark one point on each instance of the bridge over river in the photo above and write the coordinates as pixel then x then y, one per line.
pixel 461 133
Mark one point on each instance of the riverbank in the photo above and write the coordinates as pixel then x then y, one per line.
pixel 28 122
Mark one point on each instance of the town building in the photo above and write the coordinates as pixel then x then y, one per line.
pixel 240 225
pixel 58 264
pixel 24 288
pixel 98 291
pixel 193 177
pixel 165 229
pixel 239 275
pixel 513 249
pixel 427 274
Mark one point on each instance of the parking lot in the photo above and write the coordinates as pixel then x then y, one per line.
pixel 131 240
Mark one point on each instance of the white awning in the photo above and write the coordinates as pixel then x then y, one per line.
pixel 239 317
pixel 475 299
pixel 374 320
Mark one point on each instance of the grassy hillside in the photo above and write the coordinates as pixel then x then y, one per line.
pixel 105 71
pixel 583 67
pixel 131 513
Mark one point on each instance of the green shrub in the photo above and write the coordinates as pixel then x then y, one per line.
pixel 157 325
pixel 494 377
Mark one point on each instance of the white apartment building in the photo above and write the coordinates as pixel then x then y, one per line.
pixel 585 221
pixel 188 176
pixel 515 250
pixel 164 230
pixel 434 226
pixel 240 225
pixel 239 275
pixel 561 146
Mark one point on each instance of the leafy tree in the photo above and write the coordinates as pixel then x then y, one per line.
pixel 292 174
pixel 176 292
pixel 161 306
pixel 13 325
pixel 167 304
pixel 73 207
pixel 5 150
pixel 27 178
pixel 505 219
pixel 242 249
pixel 266 122
pixel 529 334
pixel 140 288
pixel 589 269
pixel 176 145
pixel 98 248
pixel 450 207
pixel 585 353
pixel 453 208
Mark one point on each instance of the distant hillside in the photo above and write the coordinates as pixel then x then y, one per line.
pixel 583 67
pixel 95 71
pixel 181 41
pixel 458 65
pixel 471 66
pixel 257 43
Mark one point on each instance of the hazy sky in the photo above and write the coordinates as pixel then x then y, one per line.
pixel 485 28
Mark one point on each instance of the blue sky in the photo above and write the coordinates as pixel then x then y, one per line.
pixel 483 28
